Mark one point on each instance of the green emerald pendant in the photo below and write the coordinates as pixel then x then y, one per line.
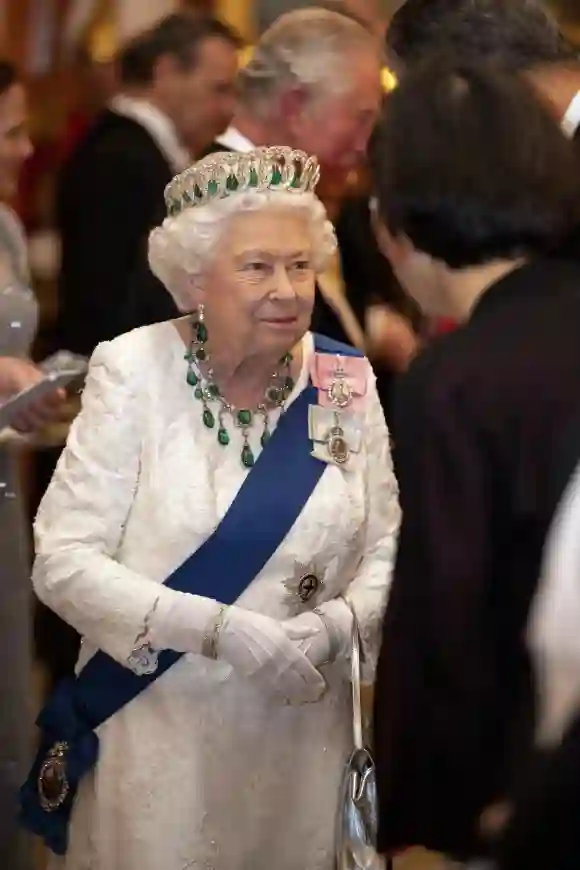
pixel 192 378
pixel 247 456
pixel 244 418
pixel 265 437
pixel 208 419
pixel 201 330
pixel 223 436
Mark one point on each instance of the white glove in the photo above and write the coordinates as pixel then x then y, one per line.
pixel 324 635
pixel 316 645
pixel 257 647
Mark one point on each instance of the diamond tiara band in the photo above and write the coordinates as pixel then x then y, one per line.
pixel 226 173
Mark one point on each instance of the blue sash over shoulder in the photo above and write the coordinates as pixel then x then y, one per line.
pixel 270 499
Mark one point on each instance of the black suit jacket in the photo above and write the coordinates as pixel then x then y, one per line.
pixel 110 194
pixel 476 422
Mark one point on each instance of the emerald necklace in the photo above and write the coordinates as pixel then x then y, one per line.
pixel 217 410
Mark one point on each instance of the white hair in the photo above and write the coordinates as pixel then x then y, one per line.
pixel 183 247
pixel 309 48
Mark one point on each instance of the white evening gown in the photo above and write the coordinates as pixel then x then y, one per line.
pixel 202 770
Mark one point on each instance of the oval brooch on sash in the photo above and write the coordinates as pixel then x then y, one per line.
pixel 53 786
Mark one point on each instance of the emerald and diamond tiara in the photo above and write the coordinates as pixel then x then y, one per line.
pixel 224 173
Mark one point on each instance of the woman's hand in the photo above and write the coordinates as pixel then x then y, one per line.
pixel 20 374
pixel 315 645
pixel 391 338
pixel 259 648
pixel 494 820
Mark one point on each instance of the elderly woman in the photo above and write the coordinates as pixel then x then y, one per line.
pixel 225 504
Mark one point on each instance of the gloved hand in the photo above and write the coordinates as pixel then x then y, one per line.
pixel 259 648
pixel 316 643
pixel 324 634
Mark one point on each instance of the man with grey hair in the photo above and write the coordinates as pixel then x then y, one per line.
pixel 313 82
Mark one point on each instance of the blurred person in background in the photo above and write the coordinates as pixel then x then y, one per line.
pixel 470 212
pixel 18 321
pixel 96 80
pixel 520 37
pixel 177 91
pixel 314 82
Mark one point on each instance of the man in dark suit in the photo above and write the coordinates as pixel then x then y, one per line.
pixel 177 83
pixel 288 97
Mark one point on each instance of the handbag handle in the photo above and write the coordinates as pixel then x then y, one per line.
pixel 357 721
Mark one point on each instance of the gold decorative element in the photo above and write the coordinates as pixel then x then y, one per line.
pixel 337 445
pixel 226 173
pixel 339 391
pixel 53 785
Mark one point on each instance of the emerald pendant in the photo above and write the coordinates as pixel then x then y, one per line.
pixel 208 419
pixel 213 391
pixel 201 332
pixel 244 418
pixel 198 393
pixel 188 355
pixel 192 378
pixel 223 436
pixel 265 437
pixel 247 456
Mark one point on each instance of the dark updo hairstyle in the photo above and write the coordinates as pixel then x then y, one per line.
pixel 471 167
pixel 8 76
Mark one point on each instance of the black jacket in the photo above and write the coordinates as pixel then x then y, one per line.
pixel 476 422
pixel 109 196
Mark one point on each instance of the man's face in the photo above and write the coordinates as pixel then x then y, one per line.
pixel 203 97
pixel 337 128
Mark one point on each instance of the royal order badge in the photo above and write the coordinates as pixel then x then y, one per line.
pixel 53 786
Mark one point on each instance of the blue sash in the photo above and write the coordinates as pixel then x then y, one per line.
pixel 263 512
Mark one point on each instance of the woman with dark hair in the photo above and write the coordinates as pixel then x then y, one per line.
pixel 476 188
pixel 18 317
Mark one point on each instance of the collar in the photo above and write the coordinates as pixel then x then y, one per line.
pixel 571 119
pixel 233 140
pixel 158 125
pixel 538 277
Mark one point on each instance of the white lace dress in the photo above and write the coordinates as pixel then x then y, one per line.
pixel 202 770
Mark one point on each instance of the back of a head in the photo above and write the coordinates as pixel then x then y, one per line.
pixel 179 35
pixel 509 34
pixel 472 168
pixel 307 48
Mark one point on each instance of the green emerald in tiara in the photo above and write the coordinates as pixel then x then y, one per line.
pixel 224 174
